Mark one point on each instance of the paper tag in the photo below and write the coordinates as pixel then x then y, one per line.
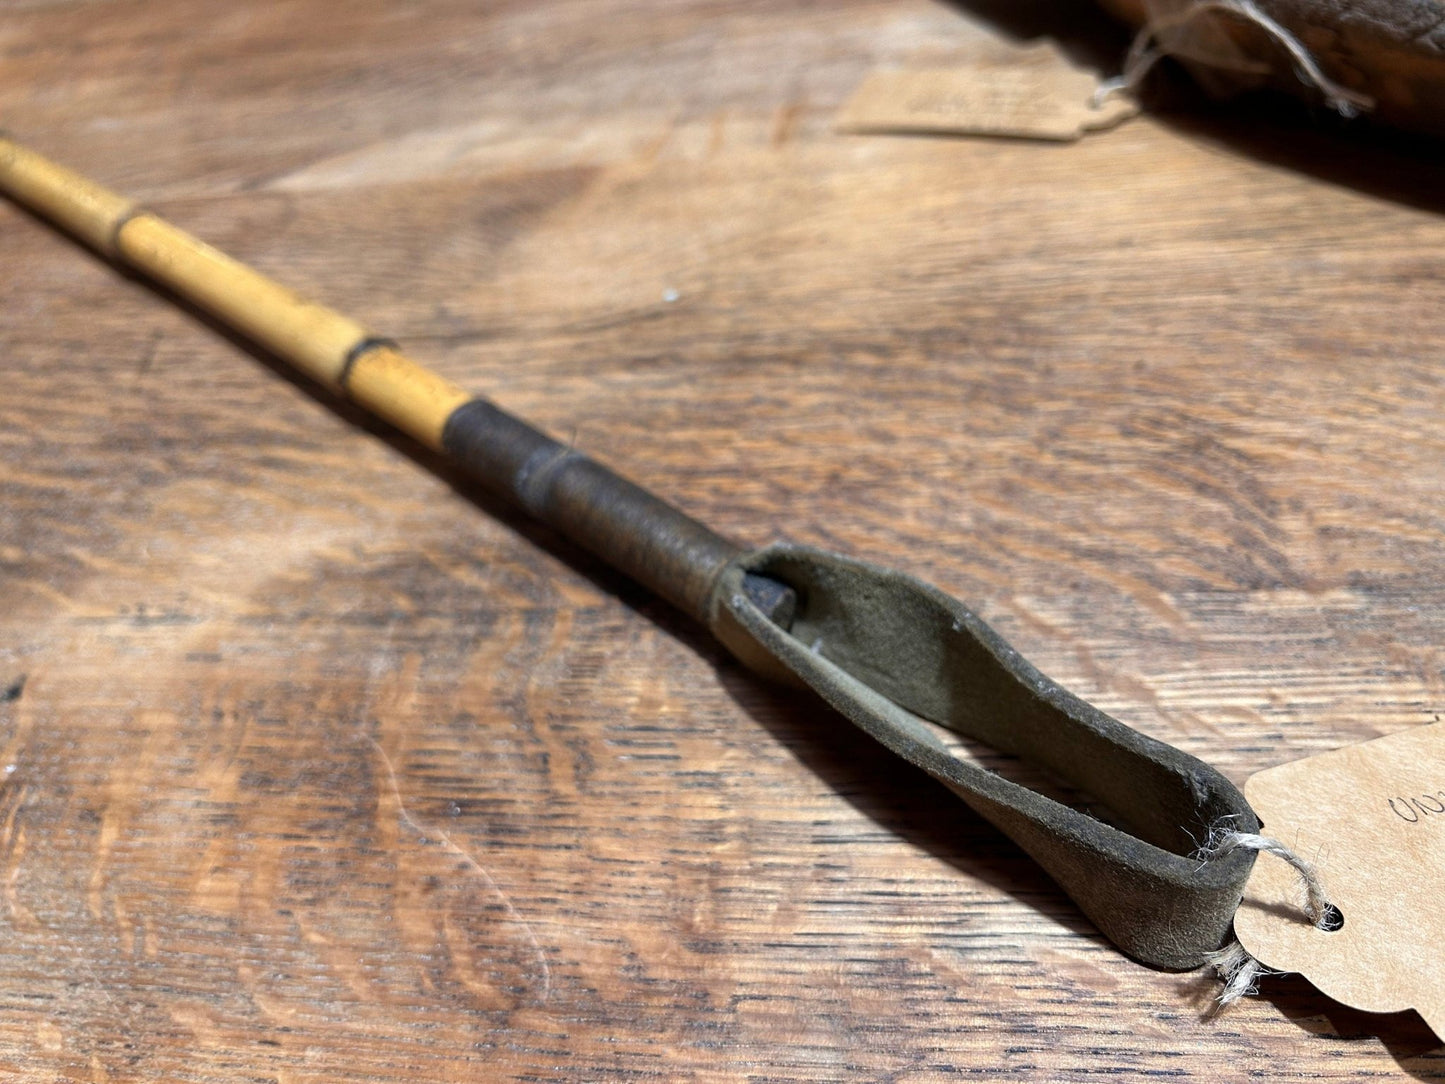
pixel 1033 93
pixel 1372 819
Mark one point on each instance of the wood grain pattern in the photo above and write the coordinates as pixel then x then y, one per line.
pixel 318 765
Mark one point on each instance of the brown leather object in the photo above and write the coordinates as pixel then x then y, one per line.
pixel 893 655
pixel 1393 51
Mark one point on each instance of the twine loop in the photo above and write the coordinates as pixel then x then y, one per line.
pixel 1152 44
pixel 1236 968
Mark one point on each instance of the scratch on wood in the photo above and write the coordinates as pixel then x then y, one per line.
pixel 471 862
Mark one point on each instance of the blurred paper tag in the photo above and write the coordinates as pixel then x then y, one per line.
pixel 1032 93
pixel 1372 819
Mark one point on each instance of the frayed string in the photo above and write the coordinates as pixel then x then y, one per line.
pixel 1237 969
pixel 1147 50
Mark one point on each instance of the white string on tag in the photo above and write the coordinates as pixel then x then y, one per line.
pixel 1150 46
pixel 1237 969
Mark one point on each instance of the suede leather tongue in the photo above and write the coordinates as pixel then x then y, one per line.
pixel 893 655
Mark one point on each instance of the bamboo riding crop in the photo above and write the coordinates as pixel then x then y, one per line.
pixel 890 653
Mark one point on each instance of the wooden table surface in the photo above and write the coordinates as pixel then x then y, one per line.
pixel 320 764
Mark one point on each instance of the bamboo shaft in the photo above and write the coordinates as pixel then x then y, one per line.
pixel 330 348
pixel 633 530
pixel 409 396
pixel 78 205
pixel 309 336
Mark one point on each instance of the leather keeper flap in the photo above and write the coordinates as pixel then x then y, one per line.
pixel 893 654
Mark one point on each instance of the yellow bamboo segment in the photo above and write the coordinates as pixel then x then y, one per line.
pixel 312 337
pixel 409 396
pixel 78 205
pixel 318 341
